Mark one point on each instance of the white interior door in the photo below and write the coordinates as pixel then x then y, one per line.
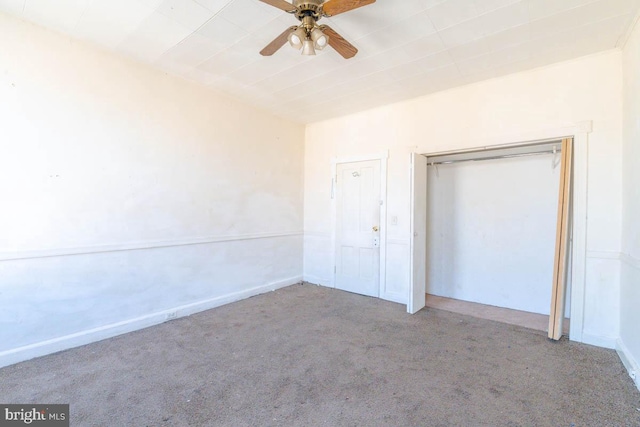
pixel 417 284
pixel 358 227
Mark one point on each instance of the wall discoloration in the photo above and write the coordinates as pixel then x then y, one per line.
pixel 99 152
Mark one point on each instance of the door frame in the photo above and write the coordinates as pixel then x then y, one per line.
pixel 382 268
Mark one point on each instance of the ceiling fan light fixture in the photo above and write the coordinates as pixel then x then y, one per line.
pixel 296 38
pixel 308 35
pixel 320 39
pixel 307 47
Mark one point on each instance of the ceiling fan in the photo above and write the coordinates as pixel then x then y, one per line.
pixel 309 36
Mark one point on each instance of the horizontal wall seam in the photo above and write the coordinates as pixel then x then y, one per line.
pixel 631 261
pixel 317 234
pixel 604 255
pixel 620 256
pixel 136 246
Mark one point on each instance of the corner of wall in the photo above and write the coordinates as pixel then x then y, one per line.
pixel 628 345
pixel 626 36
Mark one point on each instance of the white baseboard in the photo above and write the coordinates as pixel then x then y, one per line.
pixel 599 340
pixel 393 297
pixel 20 354
pixel 632 365
pixel 316 280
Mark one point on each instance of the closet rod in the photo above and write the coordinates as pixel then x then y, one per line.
pixel 505 156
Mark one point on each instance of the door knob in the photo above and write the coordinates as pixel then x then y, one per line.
pixel 375 228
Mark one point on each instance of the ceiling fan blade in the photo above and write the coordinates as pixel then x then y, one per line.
pixel 281 4
pixel 335 7
pixel 277 43
pixel 343 47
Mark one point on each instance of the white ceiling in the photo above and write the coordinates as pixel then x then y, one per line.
pixel 406 48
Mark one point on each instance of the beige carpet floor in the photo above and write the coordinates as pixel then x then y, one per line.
pixel 312 356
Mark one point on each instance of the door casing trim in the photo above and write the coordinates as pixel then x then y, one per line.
pixel 382 270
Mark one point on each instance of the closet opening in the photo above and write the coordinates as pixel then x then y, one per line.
pixel 497 233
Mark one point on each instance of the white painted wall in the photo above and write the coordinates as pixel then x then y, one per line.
pixel 491 231
pixel 529 105
pixel 630 277
pixel 171 197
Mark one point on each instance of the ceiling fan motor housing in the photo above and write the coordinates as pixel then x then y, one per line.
pixel 308 8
